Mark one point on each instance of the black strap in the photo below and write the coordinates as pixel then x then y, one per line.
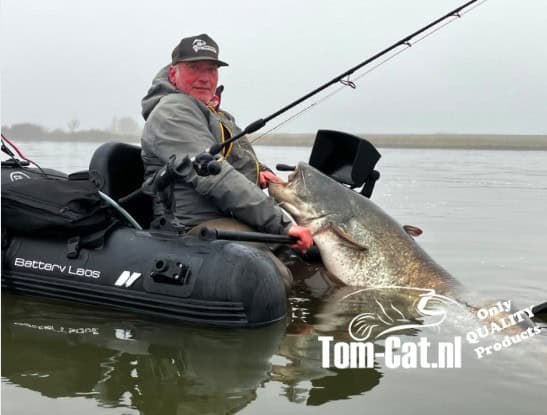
pixel 93 240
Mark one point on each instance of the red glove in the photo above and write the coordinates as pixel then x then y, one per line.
pixel 303 234
pixel 266 176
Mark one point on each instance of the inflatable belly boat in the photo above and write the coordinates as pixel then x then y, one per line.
pixel 158 273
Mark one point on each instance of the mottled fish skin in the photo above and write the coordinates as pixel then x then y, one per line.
pixel 360 244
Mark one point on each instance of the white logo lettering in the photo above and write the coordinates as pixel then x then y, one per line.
pixel 127 278
pixel 497 318
pixel 200 44
pixel 384 319
pixel 57 268
pixel 124 334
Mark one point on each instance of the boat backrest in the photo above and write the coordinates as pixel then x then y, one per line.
pixel 117 170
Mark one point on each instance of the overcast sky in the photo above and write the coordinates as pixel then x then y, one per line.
pixel 94 60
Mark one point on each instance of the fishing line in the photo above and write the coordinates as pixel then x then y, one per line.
pixel 351 83
pixel 13 146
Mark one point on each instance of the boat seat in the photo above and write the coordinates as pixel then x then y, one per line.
pixel 117 170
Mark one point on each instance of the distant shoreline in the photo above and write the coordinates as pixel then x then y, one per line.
pixel 433 141
pixel 439 141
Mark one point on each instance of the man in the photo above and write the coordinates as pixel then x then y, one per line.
pixel 183 118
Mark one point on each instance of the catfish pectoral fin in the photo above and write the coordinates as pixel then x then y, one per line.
pixel 346 239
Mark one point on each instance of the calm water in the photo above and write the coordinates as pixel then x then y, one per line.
pixel 483 216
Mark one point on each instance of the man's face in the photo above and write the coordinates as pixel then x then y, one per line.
pixel 198 79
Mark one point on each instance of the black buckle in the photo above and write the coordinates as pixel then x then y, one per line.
pixel 73 247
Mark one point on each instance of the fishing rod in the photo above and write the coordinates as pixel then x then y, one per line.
pixel 207 162
pixel 258 124
pixel 352 84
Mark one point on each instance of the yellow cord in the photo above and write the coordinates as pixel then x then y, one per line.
pixel 225 152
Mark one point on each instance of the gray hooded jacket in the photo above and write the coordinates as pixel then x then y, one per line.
pixel 179 124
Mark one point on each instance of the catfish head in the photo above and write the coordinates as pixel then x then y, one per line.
pixel 307 196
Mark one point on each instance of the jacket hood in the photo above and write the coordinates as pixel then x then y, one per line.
pixel 161 86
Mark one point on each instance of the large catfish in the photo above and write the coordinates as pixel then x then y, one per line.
pixel 360 244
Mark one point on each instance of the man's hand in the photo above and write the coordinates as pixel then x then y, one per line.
pixel 303 234
pixel 266 176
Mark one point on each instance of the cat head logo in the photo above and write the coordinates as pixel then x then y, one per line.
pixel 387 318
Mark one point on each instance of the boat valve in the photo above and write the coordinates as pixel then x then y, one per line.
pixel 165 270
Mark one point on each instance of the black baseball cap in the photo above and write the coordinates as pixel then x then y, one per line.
pixel 196 48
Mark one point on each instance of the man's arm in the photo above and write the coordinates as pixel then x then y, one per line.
pixel 235 195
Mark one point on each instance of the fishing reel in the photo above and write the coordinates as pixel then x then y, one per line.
pixel 161 183
pixel 205 164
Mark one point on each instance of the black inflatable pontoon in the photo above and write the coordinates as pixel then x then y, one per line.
pixel 160 274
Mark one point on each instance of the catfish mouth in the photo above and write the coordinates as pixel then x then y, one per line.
pixel 293 175
pixel 286 195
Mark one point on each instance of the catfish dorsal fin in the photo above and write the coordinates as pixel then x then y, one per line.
pixel 412 230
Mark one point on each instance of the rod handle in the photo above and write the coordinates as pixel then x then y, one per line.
pixel 211 234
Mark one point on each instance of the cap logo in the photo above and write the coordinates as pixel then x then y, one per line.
pixel 199 44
